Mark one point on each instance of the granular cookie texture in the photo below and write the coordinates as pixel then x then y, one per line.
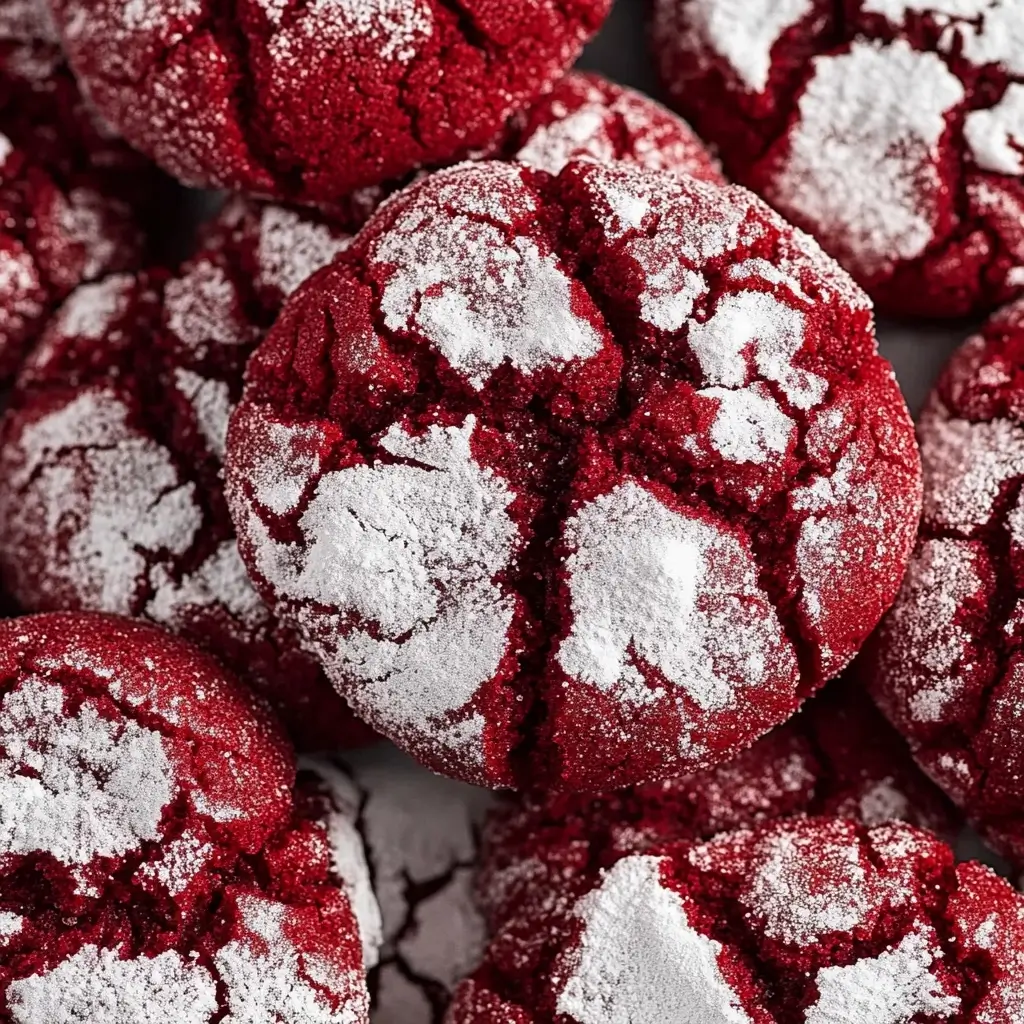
pixel 838 756
pixel 577 480
pixel 71 197
pixel 946 665
pixel 310 101
pixel 150 867
pixel 586 116
pixel 893 130
pixel 807 921
pixel 405 842
pixel 112 449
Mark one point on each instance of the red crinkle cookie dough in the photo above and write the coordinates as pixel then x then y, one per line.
pixel 807 921
pixel 111 454
pixel 70 196
pixel 893 130
pixel 151 867
pixel 579 480
pixel 946 666
pixel 837 757
pixel 405 841
pixel 309 101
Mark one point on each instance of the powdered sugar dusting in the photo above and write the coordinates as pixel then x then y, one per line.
pixel 219 581
pixel 666 587
pixel 292 247
pixel 934 656
pixel 996 135
pixel 10 925
pixel 97 788
pixel 890 988
pixel 862 159
pixel 803 890
pixel 395 29
pixel 20 285
pixel 126 502
pixel 181 861
pixel 749 320
pixel 744 32
pixel 348 855
pixel 385 542
pixel 639 958
pixel 201 308
pixel 965 467
pixel 749 426
pixel 91 309
pixel 984 31
pixel 479 297
pixel 98 985
pixel 212 405
pixel 269 980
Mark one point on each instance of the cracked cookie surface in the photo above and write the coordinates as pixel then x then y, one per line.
pixel 892 130
pixel 576 480
pixel 310 101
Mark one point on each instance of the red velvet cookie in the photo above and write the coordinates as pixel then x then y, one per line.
pixel 893 130
pixel 149 867
pixel 809 921
pixel 838 756
pixel 945 666
pixel 578 480
pixel 310 101
pixel 405 840
pixel 111 452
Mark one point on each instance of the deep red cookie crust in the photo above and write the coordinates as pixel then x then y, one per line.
pixel 112 445
pixel 838 757
pixel 563 366
pixel 150 868
pixel 308 102
pixel 890 129
pixel 809 921
pixel 406 841
pixel 945 665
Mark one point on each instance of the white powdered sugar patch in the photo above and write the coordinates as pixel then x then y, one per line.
pixel 965 467
pixel 86 219
pixel 268 980
pixel 679 592
pixel 583 133
pixel 220 581
pixel 6 148
pixel 181 861
pixel 640 961
pixel 479 297
pixel 749 426
pixel 412 550
pixel 201 307
pixel 95 788
pixel 212 405
pixel 292 247
pixel 394 29
pixel 97 985
pixel 743 32
pixel 286 460
pixel 883 802
pixel 10 926
pixel 996 135
pixel 23 21
pixel 91 310
pixel 84 464
pixel 755 326
pixel 862 160
pixel 891 988
pixel 19 286
pixel 984 31
pixel 932 655
pixel 348 854
pixel 802 889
